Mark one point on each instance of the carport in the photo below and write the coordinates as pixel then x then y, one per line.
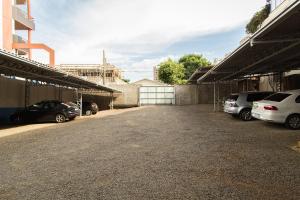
pixel 273 49
pixel 37 74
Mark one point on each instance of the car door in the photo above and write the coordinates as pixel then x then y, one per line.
pixel 297 106
pixel 32 113
pixel 48 112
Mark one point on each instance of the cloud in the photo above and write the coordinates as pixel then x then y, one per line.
pixel 131 29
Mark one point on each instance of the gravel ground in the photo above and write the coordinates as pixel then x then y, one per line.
pixel 154 153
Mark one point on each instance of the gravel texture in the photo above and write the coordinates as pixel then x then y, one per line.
pixel 165 152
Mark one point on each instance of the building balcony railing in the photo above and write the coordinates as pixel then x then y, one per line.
pixel 18 39
pixel 279 7
pixel 23 22
pixel 275 4
pixel 21 2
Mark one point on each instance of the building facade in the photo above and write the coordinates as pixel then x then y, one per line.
pixel 155 73
pixel 16 29
pixel 94 72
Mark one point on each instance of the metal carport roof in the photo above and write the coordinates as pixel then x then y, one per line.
pixel 273 48
pixel 13 65
pixel 198 73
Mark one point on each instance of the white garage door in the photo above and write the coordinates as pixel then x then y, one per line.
pixel 157 95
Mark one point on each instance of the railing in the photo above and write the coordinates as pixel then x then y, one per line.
pixel 275 4
pixel 21 12
pixel 18 39
pixel 21 16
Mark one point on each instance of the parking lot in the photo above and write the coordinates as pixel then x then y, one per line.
pixel 163 152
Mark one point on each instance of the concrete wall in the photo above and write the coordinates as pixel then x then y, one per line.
pixel 129 97
pixel 203 94
pixel 186 94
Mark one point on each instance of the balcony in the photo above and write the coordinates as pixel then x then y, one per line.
pixel 19 39
pixel 21 2
pixel 22 22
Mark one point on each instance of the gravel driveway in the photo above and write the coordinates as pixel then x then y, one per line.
pixel 164 152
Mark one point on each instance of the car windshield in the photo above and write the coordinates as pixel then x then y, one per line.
pixel 233 97
pixel 278 97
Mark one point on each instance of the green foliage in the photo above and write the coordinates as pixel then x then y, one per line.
pixel 171 72
pixel 258 19
pixel 192 62
pixel 126 80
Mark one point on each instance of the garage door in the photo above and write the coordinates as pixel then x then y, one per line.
pixel 157 95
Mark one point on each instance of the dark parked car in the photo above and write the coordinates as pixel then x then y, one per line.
pixel 45 111
pixel 89 108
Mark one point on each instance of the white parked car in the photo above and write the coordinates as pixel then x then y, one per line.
pixel 282 107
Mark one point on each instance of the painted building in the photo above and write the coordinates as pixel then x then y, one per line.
pixel 16 29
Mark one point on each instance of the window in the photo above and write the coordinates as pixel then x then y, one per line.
pixel 254 97
pixel 278 97
pixel 258 96
pixel 297 100
pixel 233 97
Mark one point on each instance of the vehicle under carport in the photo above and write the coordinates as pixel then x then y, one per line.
pixel 24 81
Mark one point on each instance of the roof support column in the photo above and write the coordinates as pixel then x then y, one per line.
pixel 214 96
pixel 27 93
pixel 79 101
pixel 111 101
pixel 218 96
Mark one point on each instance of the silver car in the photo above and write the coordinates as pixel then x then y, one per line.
pixel 241 104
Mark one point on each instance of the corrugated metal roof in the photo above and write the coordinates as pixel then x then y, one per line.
pixel 13 65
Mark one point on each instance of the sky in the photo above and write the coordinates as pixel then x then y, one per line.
pixel 139 34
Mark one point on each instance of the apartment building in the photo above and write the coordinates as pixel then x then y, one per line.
pixel 16 29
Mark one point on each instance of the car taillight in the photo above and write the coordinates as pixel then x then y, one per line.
pixel 270 108
pixel 233 105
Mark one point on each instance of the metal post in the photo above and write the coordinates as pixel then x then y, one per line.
pixel 27 92
pixel 280 81
pixel 218 96
pixel 112 101
pixel 79 101
pixel 214 96
pixel 80 104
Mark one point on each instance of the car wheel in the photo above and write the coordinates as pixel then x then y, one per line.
pixel 245 115
pixel 60 118
pixel 88 112
pixel 293 122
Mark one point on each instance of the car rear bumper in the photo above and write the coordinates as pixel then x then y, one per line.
pixel 231 110
pixel 268 116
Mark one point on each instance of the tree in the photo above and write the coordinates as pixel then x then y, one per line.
pixel 126 80
pixel 192 62
pixel 258 18
pixel 171 72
